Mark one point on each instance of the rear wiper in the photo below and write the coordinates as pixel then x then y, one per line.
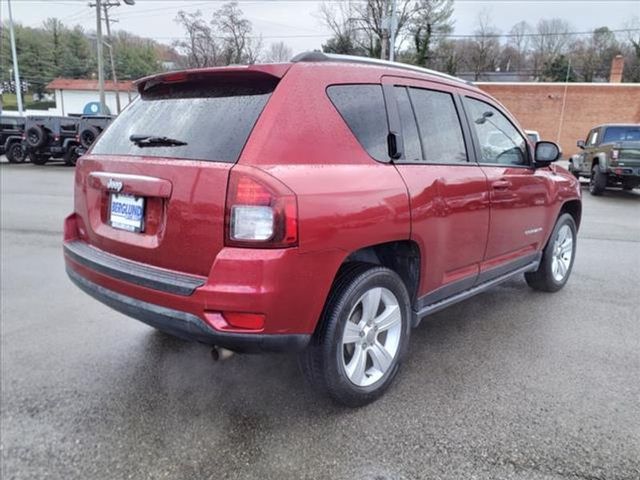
pixel 151 141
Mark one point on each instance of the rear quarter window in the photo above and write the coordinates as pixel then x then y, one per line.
pixel 214 118
pixel 362 108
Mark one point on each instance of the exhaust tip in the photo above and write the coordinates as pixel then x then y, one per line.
pixel 219 354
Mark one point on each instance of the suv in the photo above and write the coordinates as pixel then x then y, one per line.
pixel 610 157
pixel 323 206
pixel 47 137
pixel 89 128
pixel 11 131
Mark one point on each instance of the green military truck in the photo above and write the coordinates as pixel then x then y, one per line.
pixel 610 157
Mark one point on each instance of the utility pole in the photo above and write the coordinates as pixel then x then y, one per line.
pixel 16 72
pixel 103 104
pixel 383 45
pixel 106 6
pixel 392 32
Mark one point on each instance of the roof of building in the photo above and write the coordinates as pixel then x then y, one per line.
pixel 88 85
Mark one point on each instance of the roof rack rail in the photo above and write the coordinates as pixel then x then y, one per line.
pixel 333 57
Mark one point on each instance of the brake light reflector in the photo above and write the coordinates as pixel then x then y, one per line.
pixel 260 212
pixel 250 321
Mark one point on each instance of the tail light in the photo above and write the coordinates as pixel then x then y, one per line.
pixel 260 212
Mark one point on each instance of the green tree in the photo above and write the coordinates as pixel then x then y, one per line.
pixel 431 20
pixel 78 59
pixel 559 70
pixel 135 56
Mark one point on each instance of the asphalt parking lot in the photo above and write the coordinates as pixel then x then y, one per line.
pixel 510 384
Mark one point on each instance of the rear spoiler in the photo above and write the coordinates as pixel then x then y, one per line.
pixel 272 70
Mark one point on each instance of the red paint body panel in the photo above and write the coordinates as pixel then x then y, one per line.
pixel 345 201
pixel 184 232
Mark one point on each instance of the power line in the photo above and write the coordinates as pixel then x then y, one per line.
pixel 454 36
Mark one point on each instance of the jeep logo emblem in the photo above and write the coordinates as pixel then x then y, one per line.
pixel 114 185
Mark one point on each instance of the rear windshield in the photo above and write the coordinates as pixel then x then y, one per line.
pixel 214 120
pixel 621 134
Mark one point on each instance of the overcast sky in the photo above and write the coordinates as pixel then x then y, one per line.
pixel 296 23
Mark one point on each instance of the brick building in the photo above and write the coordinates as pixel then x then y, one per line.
pixel 565 112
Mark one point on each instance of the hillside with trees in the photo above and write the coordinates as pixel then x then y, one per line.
pixel 57 50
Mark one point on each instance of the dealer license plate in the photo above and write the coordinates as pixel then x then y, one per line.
pixel 127 212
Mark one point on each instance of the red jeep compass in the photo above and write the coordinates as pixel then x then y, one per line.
pixel 323 206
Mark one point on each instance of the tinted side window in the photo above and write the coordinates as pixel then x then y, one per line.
pixel 621 134
pixel 499 140
pixel 410 136
pixel 439 126
pixel 362 108
pixel 593 137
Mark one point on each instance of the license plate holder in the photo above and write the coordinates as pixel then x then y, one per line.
pixel 126 212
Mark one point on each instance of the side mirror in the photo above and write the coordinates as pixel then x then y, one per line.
pixel 546 152
pixel 580 144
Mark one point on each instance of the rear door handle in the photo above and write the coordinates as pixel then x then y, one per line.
pixel 501 184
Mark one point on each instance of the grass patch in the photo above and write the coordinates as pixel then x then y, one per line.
pixel 10 102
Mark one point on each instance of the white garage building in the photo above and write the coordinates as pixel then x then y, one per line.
pixel 74 96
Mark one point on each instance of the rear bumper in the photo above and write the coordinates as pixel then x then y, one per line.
pixel 284 286
pixel 624 171
pixel 187 325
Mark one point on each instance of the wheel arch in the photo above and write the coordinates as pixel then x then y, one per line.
pixel 573 208
pixel 402 256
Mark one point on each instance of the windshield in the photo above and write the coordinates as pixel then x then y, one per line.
pixel 212 121
pixel 622 134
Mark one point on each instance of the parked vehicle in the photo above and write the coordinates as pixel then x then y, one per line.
pixel 62 137
pixel 324 206
pixel 11 131
pixel 50 137
pixel 610 157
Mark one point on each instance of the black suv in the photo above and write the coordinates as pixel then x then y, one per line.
pixel 61 137
pixel 11 132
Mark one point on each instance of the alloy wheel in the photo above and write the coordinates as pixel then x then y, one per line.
pixel 371 337
pixel 562 253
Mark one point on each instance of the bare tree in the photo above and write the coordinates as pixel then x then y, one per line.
pixel 200 46
pixel 551 40
pixel 236 30
pixel 430 19
pixel 594 54
pixel 226 39
pixel 338 18
pixel 519 45
pixel 278 52
pixel 485 46
pixel 360 27
pixel 631 50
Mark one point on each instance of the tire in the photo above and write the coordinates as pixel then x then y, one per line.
pixel 71 156
pixel 38 158
pixel 88 136
pixel 557 257
pixel 343 370
pixel 598 181
pixel 36 136
pixel 16 153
